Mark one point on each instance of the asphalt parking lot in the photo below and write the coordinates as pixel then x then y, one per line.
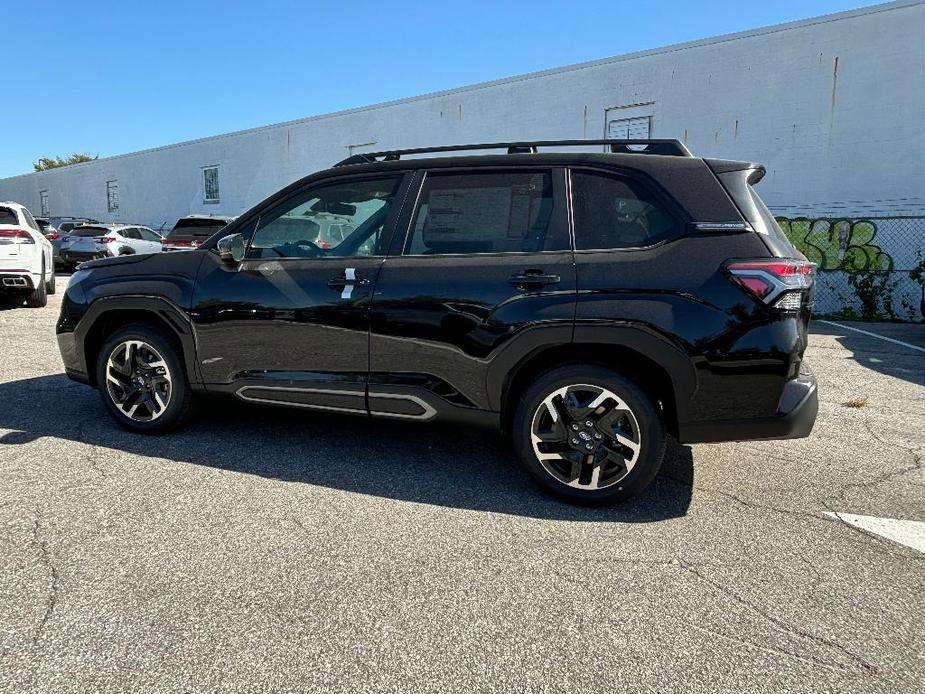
pixel 265 550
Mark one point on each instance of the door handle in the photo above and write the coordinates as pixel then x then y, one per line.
pixel 345 283
pixel 528 277
pixel 340 282
pixel 349 277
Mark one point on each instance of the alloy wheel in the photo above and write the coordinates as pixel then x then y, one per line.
pixel 585 436
pixel 138 380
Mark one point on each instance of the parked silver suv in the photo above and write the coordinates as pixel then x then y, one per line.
pixel 92 241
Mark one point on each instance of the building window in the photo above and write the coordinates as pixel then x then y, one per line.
pixel 43 202
pixel 628 128
pixel 210 184
pixel 112 196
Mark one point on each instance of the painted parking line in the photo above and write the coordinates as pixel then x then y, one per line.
pixel 905 532
pixel 870 334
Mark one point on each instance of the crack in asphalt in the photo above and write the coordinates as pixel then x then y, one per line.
pixel 784 627
pixel 41 545
pixel 742 501
pixel 766 649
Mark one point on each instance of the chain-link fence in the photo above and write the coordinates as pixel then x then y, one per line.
pixel 872 268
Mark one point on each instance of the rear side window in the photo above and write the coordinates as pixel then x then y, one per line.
pixel 130 233
pixel 29 220
pixel 8 216
pixel 778 238
pixel 498 212
pixel 616 212
pixel 148 235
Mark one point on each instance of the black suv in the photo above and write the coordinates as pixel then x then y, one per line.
pixel 587 304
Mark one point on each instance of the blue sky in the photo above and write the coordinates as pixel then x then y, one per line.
pixel 110 78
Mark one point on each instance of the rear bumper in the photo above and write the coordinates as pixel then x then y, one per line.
pixel 75 257
pixel 16 281
pixel 796 415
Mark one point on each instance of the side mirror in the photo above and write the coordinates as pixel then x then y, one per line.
pixel 231 249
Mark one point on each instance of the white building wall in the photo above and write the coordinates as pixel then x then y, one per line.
pixel 834 107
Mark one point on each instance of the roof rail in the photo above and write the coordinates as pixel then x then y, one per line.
pixel 649 146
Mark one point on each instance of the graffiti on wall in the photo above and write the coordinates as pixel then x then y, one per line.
pixel 837 244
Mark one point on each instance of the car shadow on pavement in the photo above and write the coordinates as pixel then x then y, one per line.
pixel 437 464
pixel 883 357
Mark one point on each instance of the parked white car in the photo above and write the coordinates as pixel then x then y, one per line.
pixel 91 241
pixel 27 269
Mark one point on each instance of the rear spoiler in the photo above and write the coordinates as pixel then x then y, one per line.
pixel 722 166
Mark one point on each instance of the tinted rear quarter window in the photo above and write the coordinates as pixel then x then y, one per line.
pixel 495 212
pixel 776 237
pixel 617 212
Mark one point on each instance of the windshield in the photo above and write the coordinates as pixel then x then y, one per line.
pixel 199 228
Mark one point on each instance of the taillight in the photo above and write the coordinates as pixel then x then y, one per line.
pixel 181 243
pixel 20 235
pixel 106 239
pixel 53 236
pixel 779 283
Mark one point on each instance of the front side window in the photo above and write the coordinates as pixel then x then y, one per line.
pixel 335 220
pixel 616 212
pixel 112 196
pixel 210 184
pixel 498 212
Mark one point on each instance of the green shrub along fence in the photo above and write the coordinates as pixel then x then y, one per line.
pixel 869 268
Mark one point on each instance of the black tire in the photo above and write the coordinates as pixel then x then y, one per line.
pixel 13 300
pixel 38 297
pixel 627 481
pixel 179 402
pixel 50 284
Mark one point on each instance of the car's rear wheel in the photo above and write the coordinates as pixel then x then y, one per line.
pixel 50 284
pixel 141 379
pixel 589 434
pixel 38 297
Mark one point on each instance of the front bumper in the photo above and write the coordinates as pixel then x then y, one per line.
pixel 796 415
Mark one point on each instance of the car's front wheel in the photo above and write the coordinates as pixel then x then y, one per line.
pixel 589 434
pixel 141 379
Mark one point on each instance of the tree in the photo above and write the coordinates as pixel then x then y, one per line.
pixel 45 163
